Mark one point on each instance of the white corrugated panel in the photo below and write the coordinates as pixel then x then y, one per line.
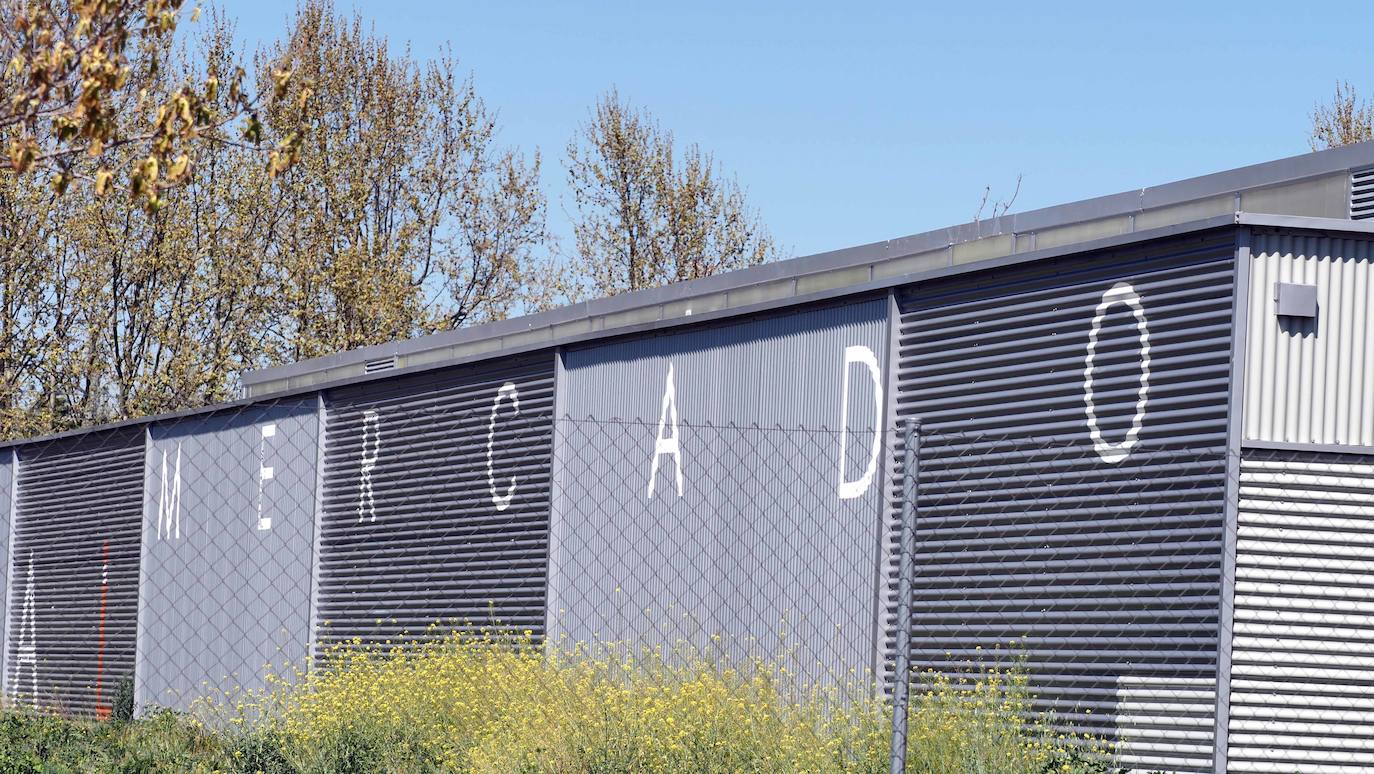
pixel 1302 676
pixel 1311 380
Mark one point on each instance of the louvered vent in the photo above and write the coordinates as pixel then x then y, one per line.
pixel 373 366
pixel 1362 194
pixel 409 535
pixel 1021 534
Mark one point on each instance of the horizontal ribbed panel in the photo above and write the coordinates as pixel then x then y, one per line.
pixel 74 599
pixel 1311 380
pixel 411 531
pixel 1106 570
pixel 1362 194
pixel 6 495
pixel 1302 675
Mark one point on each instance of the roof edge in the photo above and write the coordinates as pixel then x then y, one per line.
pixel 1007 235
pixel 1325 225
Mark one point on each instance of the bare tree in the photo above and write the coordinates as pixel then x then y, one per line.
pixel 402 215
pixel 1346 120
pixel 1001 206
pixel 647 215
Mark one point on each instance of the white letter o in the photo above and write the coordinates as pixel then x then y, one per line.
pixel 1120 293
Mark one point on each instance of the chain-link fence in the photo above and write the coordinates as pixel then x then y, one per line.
pixel 669 589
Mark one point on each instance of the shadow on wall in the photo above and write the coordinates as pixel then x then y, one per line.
pixel 1306 327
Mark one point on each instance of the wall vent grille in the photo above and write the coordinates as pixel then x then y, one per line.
pixel 1362 194
pixel 385 364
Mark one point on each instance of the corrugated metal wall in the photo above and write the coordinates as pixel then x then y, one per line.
pixel 750 538
pixel 228 532
pixel 1302 675
pixel 6 495
pixel 1092 536
pixel 436 502
pixel 74 595
pixel 1311 380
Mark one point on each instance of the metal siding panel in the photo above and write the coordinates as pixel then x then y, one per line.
pixel 1311 380
pixel 76 549
pixel 6 505
pixel 227 551
pixel 1302 685
pixel 1107 574
pixel 438 550
pixel 759 551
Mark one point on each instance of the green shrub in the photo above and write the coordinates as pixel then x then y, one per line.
pixel 123 710
pixel 481 705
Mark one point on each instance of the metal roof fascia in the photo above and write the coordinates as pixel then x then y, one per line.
pixel 293 370
pixel 1257 176
pixel 1361 228
pixel 872 286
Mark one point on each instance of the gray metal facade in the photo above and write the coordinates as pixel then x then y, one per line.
pixel 1311 379
pixel 75 558
pixel 1302 675
pixel 1074 368
pixel 1072 491
pixel 436 503
pixel 6 505
pixel 758 542
pixel 228 534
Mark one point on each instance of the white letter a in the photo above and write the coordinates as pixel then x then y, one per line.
pixel 668 445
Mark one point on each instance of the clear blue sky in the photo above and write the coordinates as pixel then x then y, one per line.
pixel 851 124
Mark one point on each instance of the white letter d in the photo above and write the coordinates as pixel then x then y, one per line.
pixel 860 354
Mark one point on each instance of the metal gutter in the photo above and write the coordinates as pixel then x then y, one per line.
pixel 1305 223
pixel 1332 448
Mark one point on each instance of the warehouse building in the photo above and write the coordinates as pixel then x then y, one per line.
pixel 1147 454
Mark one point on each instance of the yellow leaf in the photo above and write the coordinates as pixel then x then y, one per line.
pixel 21 154
pixel 102 181
pixel 178 167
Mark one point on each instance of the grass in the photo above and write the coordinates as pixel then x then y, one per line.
pixel 484 705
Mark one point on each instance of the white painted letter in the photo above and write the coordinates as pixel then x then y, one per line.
pixel 27 650
pixel 863 355
pixel 1120 293
pixel 367 504
pixel 169 499
pixel 265 473
pixel 501 502
pixel 668 445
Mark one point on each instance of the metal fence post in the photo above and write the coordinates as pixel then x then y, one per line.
pixel 901 669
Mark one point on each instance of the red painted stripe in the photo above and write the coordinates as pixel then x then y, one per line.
pixel 102 711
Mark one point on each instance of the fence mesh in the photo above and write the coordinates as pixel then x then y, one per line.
pixel 482 575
